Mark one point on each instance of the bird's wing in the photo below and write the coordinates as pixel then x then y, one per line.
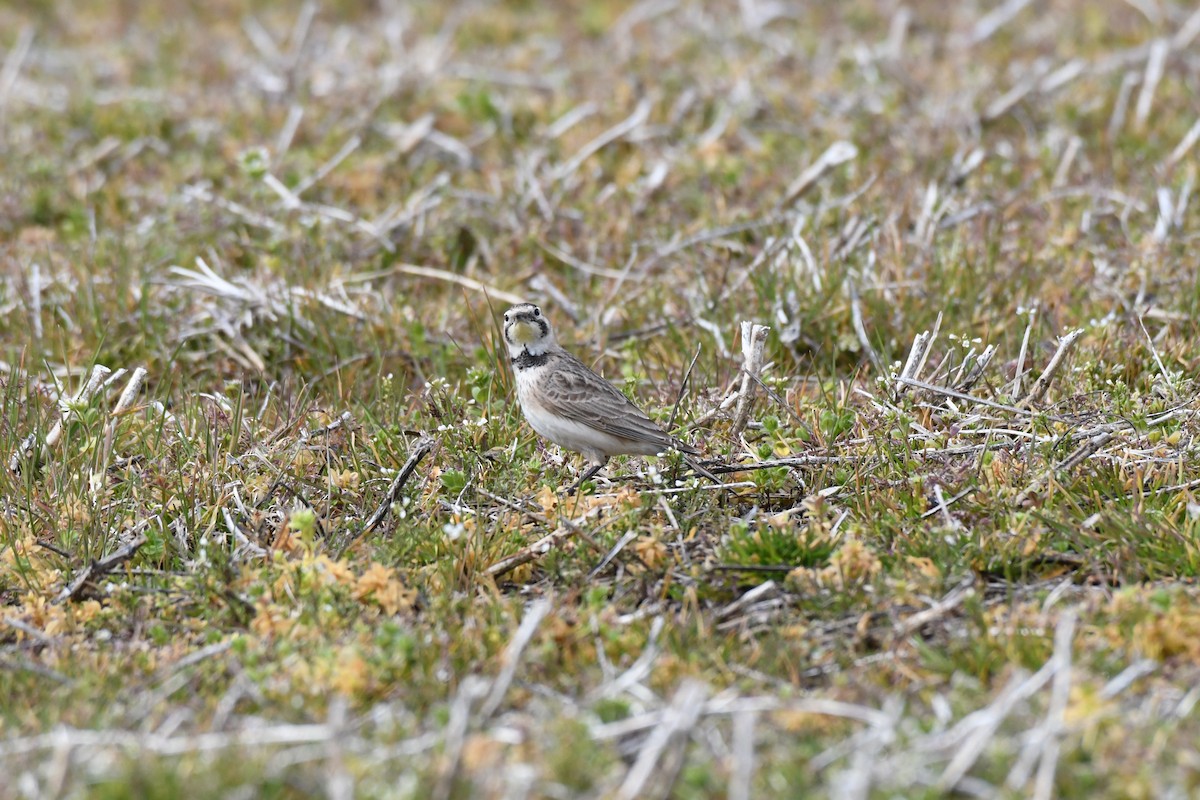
pixel 579 394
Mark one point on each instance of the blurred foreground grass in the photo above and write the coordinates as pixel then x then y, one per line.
pixel 302 221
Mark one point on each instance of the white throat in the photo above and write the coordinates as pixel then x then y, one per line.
pixel 534 348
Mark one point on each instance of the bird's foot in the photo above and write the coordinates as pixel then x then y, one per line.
pixel 586 476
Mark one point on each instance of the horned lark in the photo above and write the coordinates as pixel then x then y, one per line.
pixel 574 407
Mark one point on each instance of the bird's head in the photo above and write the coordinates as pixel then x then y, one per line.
pixel 526 329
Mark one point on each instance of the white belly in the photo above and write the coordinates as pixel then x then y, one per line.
pixel 596 445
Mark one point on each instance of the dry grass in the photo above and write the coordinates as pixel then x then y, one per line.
pixel 270 523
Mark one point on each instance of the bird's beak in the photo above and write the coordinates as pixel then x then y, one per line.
pixel 523 332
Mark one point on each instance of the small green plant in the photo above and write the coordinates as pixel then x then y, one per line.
pixel 785 544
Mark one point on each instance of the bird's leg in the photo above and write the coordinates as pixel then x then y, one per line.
pixel 588 474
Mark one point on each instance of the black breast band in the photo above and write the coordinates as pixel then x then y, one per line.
pixel 526 360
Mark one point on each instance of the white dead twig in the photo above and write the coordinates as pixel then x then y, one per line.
pixel 84 395
pixel 743 755
pixel 1116 120
pixel 715 330
pixel 542 284
pixel 944 503
pixel 1019 91
pixel 29 448
pixel 544 81
pixel 621 32
pixel 918 355
pixel 987 25
pixel 1074 144
pixel 977 369
pixel 1126 677
pixel 836 154
pixel 584 266
pixel 569 119
pixel 622 129
pixel 35 299
pixel 700 487
pixel 860 329
pixel 1185 145
pixel 926 224
pixel 130 392
pixel 753 338
pixel 1062 76
pixel 865 749
pixel 951 601
pixel 1086 450
pixel 1015 388
pixel 678 245
pixel 291 201
pixel 893 46
pixel 764 590
pixel 1154 72
pixel 676 723
pixel 415 207
pixel 1060 691
pixel 616 549
pixel 472 689
pixel 13 63
pixel 1187 32
pixel 1162 370
pixel 33 633
pixel 204 194
pixel 971 736
pixel 855 234
pixel 565 527
pixel 638 671
pixel 262 39
pixel 125 402
pixel 1039 387
pixel 1167 215
pixel 725 706
pixel 158 744
pixel 460 280
pixel 243 541
pixel 942 390
pixel 511 659
pixel 329 166
pixel 806 256
pixel 240 305
pixel 756 14
pixel 205 279
pixel 283 141
pixel 1043 742
pixel 728 398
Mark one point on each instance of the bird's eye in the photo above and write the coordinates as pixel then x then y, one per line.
pixel 506 317
pixel 537 312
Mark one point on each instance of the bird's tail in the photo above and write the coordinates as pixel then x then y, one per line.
pixel 699 468
pixel 682 446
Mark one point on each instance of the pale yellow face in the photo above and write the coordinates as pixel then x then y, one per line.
pixel 523 332
pixel 527 331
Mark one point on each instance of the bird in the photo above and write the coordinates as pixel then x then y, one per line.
pixel 569 404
